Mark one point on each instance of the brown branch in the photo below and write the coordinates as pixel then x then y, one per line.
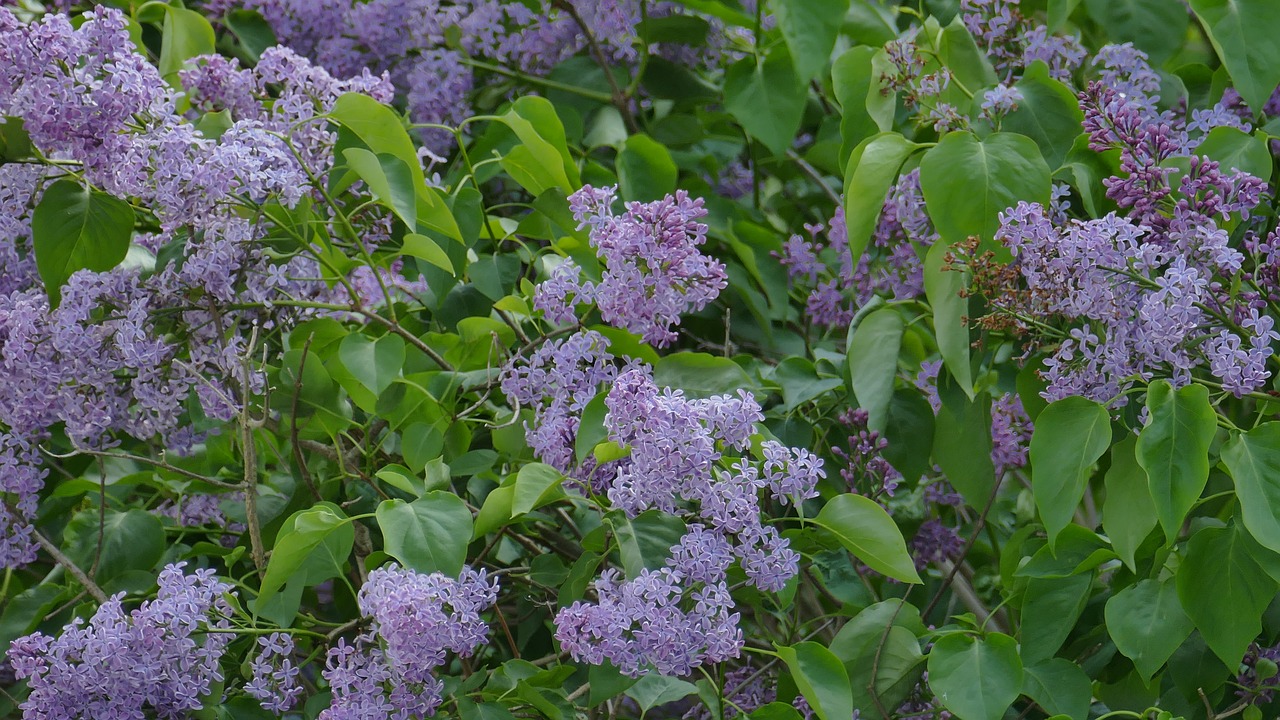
pixel 89 585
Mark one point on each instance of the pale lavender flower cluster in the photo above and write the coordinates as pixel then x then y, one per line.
pixel 275 678
pixel 653 271
pixel 1000 101
pixel 672 619
pixel 416 619
pixel 1011 42
pixel 891 266
pixel 746 689
pixel 21 478
pixel 1010 434
pixel 160 658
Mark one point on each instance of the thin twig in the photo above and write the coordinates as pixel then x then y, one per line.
pixel 816 176
pixel 149 461
pixel 71 567
pixel 298 458
pixel 973 537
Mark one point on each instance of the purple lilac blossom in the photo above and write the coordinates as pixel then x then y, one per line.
pixel 416 619
pixel 161 657
pixel 866 470
pixel 275 682
pixel 1251 687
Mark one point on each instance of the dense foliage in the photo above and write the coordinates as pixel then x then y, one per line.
pixel 496 359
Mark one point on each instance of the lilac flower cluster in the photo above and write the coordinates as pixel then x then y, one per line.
pixel 653 271
pixel 892 265
pixel 1253 683
pixel 388 672
pixel 1012 42
pixel 275 678
pixel 162 657
pixel 866 470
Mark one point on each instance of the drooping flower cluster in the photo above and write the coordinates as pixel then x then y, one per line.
pixel 1012 42
pixel 416 619
pixel 160 658
pixel 866 470
pixel 275 678
pixel 653 271
pixel 1258 680
pixel 892 264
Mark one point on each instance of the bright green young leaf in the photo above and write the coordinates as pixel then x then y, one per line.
pixel 862 106
pixel 645 169
pixel 495 512
pixel 536 485
pixel 1060 687
pixel 766 97
pixel 78 228
pixel 389 179
pixel 591 429
pixel 429 534
pixel 873 167
pixel 1047 113
pixel 1224 588
pixel 960 53
pixel 1070 435
pixel 1128 512
pixel 252 30
pixel 968 182
pixel 810 28
pixel 653 690
pixel 873 363
pixel 821 678
pixel 186 35
pixel 1235 149
pixel 1156 27
pixel 867 531
pixel 1147 623
pixel 420 443
pixel 1174 449
pixel 977 679
pixel 374 363
pixel 1242 33
pixel 944 288
pixel 318 539
pixel 15 141
pixel 1253 458
pixel 424 248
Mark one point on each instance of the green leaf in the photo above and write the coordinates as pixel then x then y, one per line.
pixel 1174 449
pixel 1242 33
pixel 968 182
pixel 1050 610
pixel 537 125
pixel 867 531
pixel 1128 512
pixel 873 363
pixel 1235 149
pixel 976 679
pixel 389 179
pixel 1147 623
pixel 1253 459
pixel 653 690
pixel 1059 12
pixel 700 374
pixel 1047 113
pixel 313 544
pixel 766 98
pixel 945 289
pixel 645 169
pixel 1060 687
pixel 962 446
pixel 132 540
pixel 1156 27
pixel 810 28
pixel 909 430
pixel 801 383
pixel 873 167
pixel 1070 435
pixel 821 678
pixel 591 429
pixel 1224 588
pixel 887 631
pixel 429 534
pixel 78 228
pixel 375 364
pixel 862 106
pixel 420 443
pixel 15 142
pixel 536 485
pixel 960 53
pixel 424 248
pixel 186 35
pixel 252 30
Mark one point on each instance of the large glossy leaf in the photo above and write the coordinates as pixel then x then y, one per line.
pixel 429 534
pixel 976 679
pixel 1224 587
pixel 1254 461
pixel 374 363
pixel 821 678
pixel 968 182
pixel 186 35
pixel 810 28
pixel 1128 512
pixel 1155 26
pixel 1242 33
pixel 873 363
pixel 962 446
pixel 867 531
pixel 130 541
pixel 645 169
pixel 536 485
pixel 864 110
pixel 78 228
pixel 1147 623
pixel 1237 150
pixel 1047 113
pixel 1060 687
pixel 1174 449
pixel 945 289
pixel 1070 435
pixel 1050 610
pixel 766 97
pixel 886 630
pixel 313 542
